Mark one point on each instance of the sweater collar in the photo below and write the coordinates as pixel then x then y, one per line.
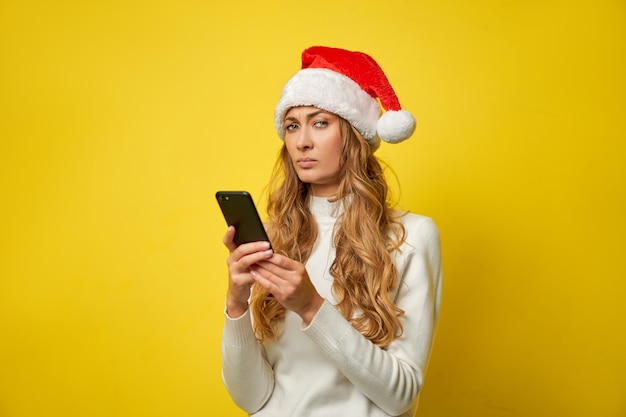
pixel 321 208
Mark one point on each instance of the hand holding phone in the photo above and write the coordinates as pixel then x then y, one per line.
pixel 239 211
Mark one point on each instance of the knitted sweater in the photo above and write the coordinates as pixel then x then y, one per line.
pixel 328 368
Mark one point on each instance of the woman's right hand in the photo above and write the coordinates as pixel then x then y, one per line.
pixel 239 261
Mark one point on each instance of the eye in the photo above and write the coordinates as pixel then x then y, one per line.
pixel 291 127
pixel 320 123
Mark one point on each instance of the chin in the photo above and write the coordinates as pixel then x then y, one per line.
pixel 308 179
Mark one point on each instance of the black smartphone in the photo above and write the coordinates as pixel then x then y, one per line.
pixel 239 210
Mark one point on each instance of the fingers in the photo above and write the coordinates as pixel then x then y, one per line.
pixel 242 261
pixel 279 271
pixel 247 255
pixel 229 239
pixel 244 249
pixel 281 287
pixel 288 281
pixel 265 280
pixel 240 279
pixel 281 266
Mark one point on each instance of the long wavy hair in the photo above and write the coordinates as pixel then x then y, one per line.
pixel 365 236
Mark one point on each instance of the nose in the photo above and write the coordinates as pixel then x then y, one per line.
pixel 304 141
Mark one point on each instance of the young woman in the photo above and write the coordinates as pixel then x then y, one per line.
pixel 338 319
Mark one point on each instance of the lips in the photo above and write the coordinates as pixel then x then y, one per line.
pixel 306 162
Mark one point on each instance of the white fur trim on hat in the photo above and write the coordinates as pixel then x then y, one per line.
pixel 331 91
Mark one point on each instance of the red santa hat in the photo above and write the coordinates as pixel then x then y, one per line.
pixel 351 85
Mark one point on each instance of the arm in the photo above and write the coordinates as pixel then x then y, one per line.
pixel 246 373
pixel 391 378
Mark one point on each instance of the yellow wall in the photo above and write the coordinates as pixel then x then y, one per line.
pixel 119 120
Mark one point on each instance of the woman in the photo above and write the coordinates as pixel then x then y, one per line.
pixel 338 319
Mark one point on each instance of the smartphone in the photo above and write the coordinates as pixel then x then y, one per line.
pixel 239 210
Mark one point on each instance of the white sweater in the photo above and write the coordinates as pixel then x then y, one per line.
pixel 328 368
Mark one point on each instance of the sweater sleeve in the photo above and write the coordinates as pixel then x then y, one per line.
pixel 391 378
pixel 247 375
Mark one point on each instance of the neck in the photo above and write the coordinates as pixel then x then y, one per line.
pixel 321 190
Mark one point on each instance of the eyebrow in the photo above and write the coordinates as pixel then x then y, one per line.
pixel 308 116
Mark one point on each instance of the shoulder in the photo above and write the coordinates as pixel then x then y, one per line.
pixel 418 260
pixel 420 231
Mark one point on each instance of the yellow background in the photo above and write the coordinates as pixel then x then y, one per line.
pixel 119 121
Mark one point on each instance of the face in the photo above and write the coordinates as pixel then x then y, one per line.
pixel 314 143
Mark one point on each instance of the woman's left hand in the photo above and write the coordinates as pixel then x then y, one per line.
pixel 289 282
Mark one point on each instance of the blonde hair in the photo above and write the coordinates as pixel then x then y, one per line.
pixel 365 236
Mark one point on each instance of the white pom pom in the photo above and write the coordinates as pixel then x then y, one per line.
pixel 394 126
